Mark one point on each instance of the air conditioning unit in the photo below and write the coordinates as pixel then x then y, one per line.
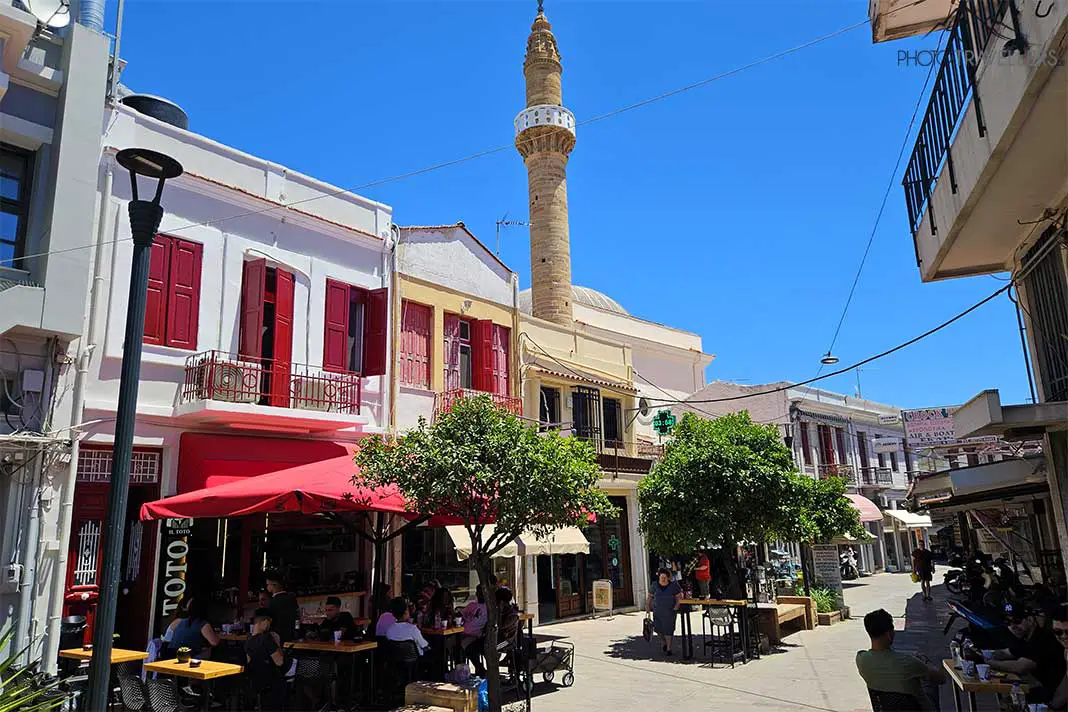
pixel 230 382
pixel 326 392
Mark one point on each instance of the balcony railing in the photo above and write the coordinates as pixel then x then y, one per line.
pixel 973 26
pixel 218 376
pixel 444 401
pixel 846 472
pixel 876 477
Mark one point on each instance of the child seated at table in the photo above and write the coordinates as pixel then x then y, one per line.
pixel 266 662
pixel 403 628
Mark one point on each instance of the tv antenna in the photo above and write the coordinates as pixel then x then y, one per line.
pixel 507 223
pixel 53 14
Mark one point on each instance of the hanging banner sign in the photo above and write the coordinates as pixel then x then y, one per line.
pixel 929 426
pixel 173 567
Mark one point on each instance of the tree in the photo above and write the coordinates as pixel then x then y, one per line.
pixel 826 513
pixel 478 464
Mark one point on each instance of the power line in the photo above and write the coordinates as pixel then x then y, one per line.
pixel 479 154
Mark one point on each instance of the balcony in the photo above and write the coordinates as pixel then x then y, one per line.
pixel 223 389
pixel 846 472
pixel 881 477
pixel 443 402
pixel 990 147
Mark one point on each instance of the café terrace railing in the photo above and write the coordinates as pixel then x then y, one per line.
pixel 219 376
pixel 974 25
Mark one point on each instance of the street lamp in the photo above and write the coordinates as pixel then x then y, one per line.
pixel 829 359
pixel 145 217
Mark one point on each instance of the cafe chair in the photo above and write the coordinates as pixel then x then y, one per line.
pixel 163 696
pixel 402 658
pixel 722 642
pixel 132 693
pixel 893 702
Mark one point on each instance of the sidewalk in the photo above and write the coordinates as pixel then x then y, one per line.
pixel 617 671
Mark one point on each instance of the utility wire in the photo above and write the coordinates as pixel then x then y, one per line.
pixel 481 154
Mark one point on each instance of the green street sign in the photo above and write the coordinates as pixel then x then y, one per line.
pixel 664 422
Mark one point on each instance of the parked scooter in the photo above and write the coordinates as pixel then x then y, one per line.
pixel 955 580
pixel 848 562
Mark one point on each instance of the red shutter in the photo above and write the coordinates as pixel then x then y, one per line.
pixel 482 355
pixel 414 361
pixel 183 303
pixel 452 352
pixel 501 342
pixel 156 306
pixel 336 336
pixel 376 333
pixel 283 339
pixel 253 288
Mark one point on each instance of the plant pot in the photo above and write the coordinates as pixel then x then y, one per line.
pixel 829 618
pixel 183 655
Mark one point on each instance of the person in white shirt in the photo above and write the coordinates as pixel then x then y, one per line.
pixel 403 628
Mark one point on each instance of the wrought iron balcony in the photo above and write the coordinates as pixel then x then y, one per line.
pixel 846 472
pixel 973 27
pixel 444 401
pixel 219 376
pixel 876 477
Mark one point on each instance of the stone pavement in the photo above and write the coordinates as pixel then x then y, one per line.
pixel 615 669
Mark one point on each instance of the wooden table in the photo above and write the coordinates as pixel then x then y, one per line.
pixel 442 634
pixel 118 655
pixel 687 627
pixel 971 686
pixel 345 647
pixel 206 672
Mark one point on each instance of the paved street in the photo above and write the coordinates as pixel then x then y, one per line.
pixel 616 670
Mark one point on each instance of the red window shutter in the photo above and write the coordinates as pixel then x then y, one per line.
pixel 414 353
pixel 482 355
pixel 156 306
pixel 281 369
pixel 376 333
pixel 501 342
pixel 336 336
pixel 452 352
pixel 253 287
pixel 183 303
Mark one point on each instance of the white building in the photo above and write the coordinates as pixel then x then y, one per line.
pixel 831 434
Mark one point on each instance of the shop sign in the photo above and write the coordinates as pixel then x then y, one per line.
pixel 929 426
pixel 885 445
pixel 602 595
pixel 889 420
pixel 173 565
pixel 828 568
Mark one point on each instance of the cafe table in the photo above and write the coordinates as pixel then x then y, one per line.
pixel 999 683
pixel 741 613
pixel 207 672
pixel 352 648
pixel 118 655
pixel 442 635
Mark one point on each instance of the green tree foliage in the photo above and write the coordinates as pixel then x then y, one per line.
pixel 825 511
pixel 479 464
pixel 20 688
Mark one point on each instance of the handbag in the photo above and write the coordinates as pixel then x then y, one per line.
pixel 647 629
pixel 915 577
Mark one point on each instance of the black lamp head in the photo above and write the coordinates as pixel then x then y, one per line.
pixel 829 359
pixel 151 164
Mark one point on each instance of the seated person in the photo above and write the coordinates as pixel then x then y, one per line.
pixel 1034 651
pixel 265 661
pixel 885 670
pixel 508 616
pixel 440 610
pixel 192 630
pixel 336 620
pixel 385 622
pixel 473 641
pixel 1059 701
pixel 403 628
pixel 285 611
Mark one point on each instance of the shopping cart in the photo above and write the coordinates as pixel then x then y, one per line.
pixel 560 655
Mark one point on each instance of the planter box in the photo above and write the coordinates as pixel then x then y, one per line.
pixel 829 618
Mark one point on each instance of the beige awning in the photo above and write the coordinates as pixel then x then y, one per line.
pixel 565 540
pixel 845 540
pixel 909 519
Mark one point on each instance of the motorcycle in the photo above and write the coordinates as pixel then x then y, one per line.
pixel 848 563
pixel 955 580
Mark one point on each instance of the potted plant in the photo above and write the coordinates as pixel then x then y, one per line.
pixel 827 611
pixel 184 654
pixel 24 690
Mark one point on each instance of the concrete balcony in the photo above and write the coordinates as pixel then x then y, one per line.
pixel 846 472
pixel 895 19
pixel 246 394
pixel 991 152
pixel 443 402
pixel 876 477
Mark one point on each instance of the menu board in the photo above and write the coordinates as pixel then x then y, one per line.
pixel 828 568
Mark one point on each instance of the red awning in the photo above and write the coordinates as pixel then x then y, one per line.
pixel 869 511
pixel 324 486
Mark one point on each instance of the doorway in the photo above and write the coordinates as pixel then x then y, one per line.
pixel 546 589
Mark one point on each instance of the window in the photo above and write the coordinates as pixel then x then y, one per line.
pixel 805 444
pixel 893 461
pixel 465 354
pixel 862 448
pixel 266 330
pixel 882 459
pixel 356 326
pixel 172 310
pixel 15 181
pixel 476 355
pixel 843 454
pixel 826 442
pixel 549 408
pixel 414 361
pixel 1045 287
pixel 612 411
pixel 586 413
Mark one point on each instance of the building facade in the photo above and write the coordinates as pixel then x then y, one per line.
pixel 986 189
pixel 53 83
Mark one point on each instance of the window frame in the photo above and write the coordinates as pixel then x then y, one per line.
pixel 19 207
pixel 404 376
pixel 546 419
pixel 617 442
pixel 168 310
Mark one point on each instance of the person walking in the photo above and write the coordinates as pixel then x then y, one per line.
pixel 923 568
pixel 663 603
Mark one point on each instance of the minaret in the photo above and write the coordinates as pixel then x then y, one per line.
pixel 544 136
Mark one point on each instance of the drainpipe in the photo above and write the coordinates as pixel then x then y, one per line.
pixel 396 306
pixel 23 637
pixel 77 414
pixel 91 15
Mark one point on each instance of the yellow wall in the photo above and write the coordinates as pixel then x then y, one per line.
pixel 444 300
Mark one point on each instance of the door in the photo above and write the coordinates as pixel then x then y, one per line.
pixel 617 555
pixel 570 600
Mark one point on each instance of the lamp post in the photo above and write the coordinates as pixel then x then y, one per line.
pixel 145 217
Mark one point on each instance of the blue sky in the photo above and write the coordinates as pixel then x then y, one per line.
pixel 738 210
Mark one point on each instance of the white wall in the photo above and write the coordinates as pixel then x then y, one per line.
pixel 450 256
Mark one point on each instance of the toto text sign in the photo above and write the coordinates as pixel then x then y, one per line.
pixel 173 565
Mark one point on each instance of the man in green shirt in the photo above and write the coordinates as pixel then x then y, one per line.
pixel 885 670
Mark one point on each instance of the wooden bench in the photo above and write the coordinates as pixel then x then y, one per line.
pixel 442 694
pixel 421 708
pixel 799 611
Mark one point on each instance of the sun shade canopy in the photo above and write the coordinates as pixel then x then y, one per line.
pixel 869 512
pixel 563 540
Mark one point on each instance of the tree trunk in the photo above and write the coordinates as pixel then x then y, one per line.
pixel 484 567
pixel 729 557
